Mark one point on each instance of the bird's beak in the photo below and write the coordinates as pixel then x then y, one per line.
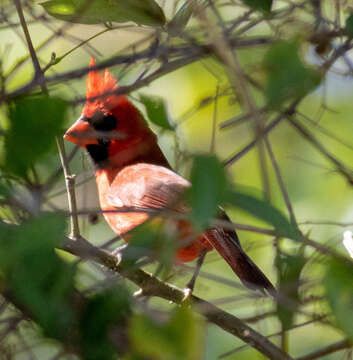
pixel 81 133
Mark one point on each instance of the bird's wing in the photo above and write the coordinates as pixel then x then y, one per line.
pixel 147 186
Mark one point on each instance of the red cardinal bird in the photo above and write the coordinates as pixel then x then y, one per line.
pixel 131 171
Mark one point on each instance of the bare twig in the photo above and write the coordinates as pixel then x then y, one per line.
pixel 330 349
pixel 70 187
pixel 347 173
pixel 38 74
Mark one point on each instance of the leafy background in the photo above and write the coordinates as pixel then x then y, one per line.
pixel 198 99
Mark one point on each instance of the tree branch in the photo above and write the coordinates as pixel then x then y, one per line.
pixel 151 286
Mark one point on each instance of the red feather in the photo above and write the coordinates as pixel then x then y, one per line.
pixel 132 172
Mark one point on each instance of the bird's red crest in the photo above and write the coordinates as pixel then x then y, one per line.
pixel 100 87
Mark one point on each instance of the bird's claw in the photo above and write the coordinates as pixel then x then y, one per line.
pixel 118 254
pixel 187 294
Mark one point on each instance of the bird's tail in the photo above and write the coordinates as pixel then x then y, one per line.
pixel 227 244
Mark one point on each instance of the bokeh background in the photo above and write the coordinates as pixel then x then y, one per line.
pixel 198 101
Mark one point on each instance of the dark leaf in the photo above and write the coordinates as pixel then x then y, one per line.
pixel 289 269
pixel 349 24
pixel 144 12
pixel 287 76
pixel 208 189
pixel 339 293
pixel 34 123
pixel 156 111
pixel 264 5
pixel 35 275
pixel 4 190
pixel 103 323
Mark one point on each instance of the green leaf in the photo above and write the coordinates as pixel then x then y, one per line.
pixel 289 269
pixel 35 275
pixel 262 210
pixel 144 12
pixel 339 292
pixel 34 123
pixel 143 243
pixel 4 191
pixel 153 239
pixel 264 5
pixel 208 189
pixel 156 111
pixel 179 338
pixel 349 24
pixel 287 76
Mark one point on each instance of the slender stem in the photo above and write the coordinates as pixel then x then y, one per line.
pixel 332 348
pixel 70 187
pixel 347 173
pixel 280 181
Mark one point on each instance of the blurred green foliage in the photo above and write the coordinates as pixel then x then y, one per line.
pixel 36 276
pixel 208 189
pixel 47 285
pixel 34 121
pixel 177 338
pixel 146 12
pixel 287 76
pixel 264 5
pixel 338 286
pixel 289 268
pixel 157 111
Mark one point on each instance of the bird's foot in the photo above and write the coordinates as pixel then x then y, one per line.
pixel 187 294
pixel 118 254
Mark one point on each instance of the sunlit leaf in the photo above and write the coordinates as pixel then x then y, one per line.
pixel 264 5
pixel 156 111
pixel 208 189
pixel 145 12
pixel 262 210
pixel 287 76
pixel 339 292
pixel 178 338
pixel 33 124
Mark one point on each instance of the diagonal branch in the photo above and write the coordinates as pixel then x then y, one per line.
pixel 152 286
pixel 330 349
pixel 38 73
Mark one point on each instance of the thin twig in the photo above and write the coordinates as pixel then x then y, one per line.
pixel 70 187
pixel 330 349
pixel 347 173
pixel 38 74
pixel 280 181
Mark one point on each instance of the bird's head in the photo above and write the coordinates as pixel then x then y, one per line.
pixel 109 123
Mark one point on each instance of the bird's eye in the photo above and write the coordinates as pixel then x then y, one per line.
pixel 103 122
